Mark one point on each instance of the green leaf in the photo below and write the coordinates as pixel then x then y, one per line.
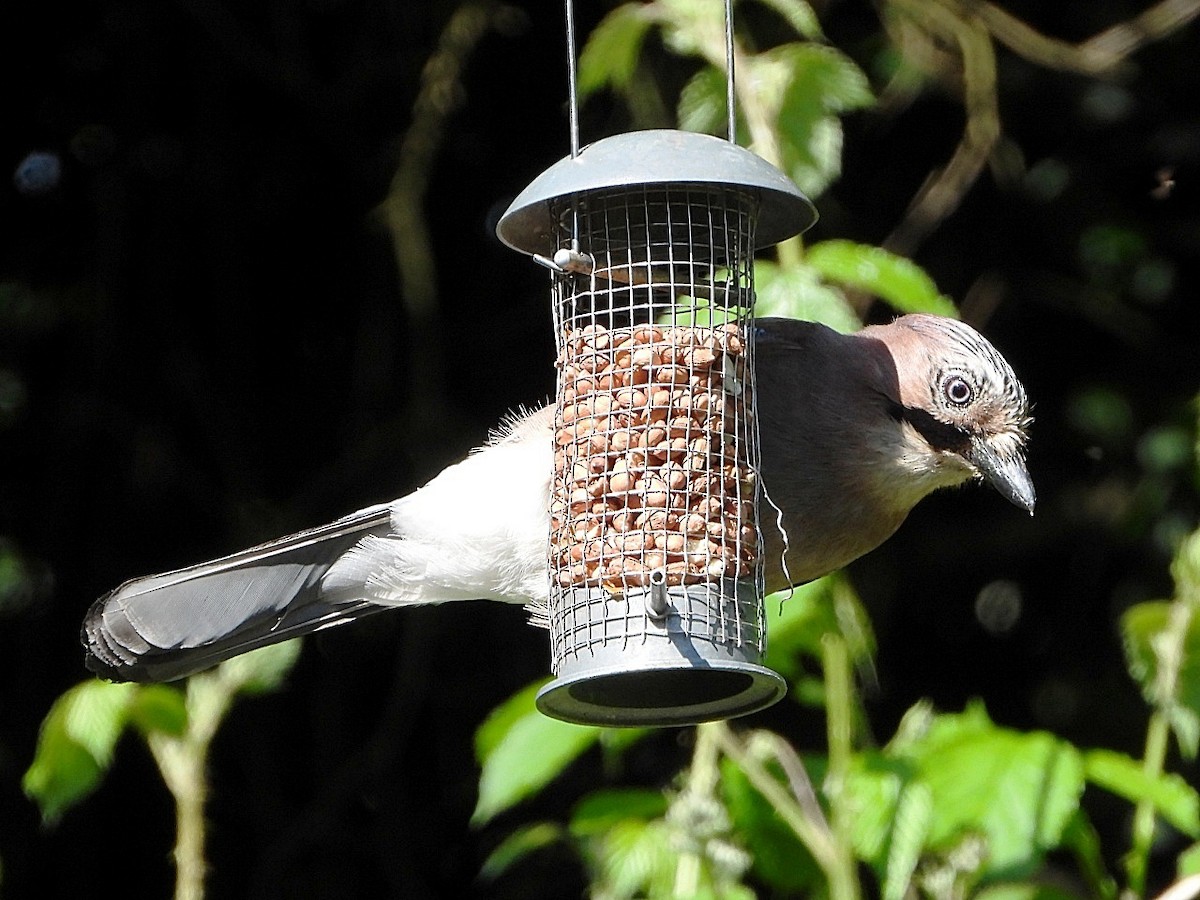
pixel 872 792
pixel 798 618
pixel 1166 663
pixel 1082 840
pixel 75 745
pixel 1173 798
pixel 599 811
pixel 521 751
pixel 1185 569
pixel 632 857
pixel 799 15
pixel 1140 626
pixel 796 292
pixel 892 816
pixel 500 721
pixel 914 816
pixel 1018 790
pixel 900 282
pixel 690 26
pixel 1025 891
pixel 1188 862
pixel 702 103
pixel 525 840
pixel 779 858
pixel 611 53
pixel 822 83
pixel 159 708
pixel 260 671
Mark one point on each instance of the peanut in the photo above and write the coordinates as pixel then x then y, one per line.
pixel 650 466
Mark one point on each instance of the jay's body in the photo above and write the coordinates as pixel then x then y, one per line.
pixel 855 429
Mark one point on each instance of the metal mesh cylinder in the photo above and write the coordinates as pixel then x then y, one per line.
pixel 655 598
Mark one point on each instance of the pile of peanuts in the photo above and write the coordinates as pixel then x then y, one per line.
pixel 650 468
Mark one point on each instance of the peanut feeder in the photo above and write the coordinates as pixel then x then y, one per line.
pixel 656 613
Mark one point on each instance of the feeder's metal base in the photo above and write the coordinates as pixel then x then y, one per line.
pixel 685 658
pixel 679 693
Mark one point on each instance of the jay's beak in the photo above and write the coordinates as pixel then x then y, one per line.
pixel 1005 472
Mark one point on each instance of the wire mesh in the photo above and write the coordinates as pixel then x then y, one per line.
pixel 656 457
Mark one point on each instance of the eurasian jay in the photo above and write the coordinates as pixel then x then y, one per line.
pixel 855 430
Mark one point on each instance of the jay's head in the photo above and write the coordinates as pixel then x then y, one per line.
pixel 962 412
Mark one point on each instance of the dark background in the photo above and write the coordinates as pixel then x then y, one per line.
pixel 204 343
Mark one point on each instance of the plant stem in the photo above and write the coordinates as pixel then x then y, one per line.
pixel 1169 650
pixel 182 761
pixel 811 833
pixel 182 771
pixel 702 781
pixel 839 716
pixel 1153 760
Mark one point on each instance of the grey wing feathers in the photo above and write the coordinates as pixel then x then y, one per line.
pixel 164 627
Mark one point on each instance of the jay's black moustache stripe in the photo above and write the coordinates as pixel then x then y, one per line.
pixel 939 435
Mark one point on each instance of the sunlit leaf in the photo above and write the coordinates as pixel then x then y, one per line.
pixel 780 858
pixel 1149 634
pixel 899 281
pixel 822 84
pixel 797 619
pixel 75 745
pixel 521 751
pixel 610 55
pixel 910 830
pixel 1024 891
pixel 1018 790
pixel 1185 569
pixel 872 792
pixel 632 856
pixel 690 25
pixel 703 103
pixel 1081 839
pixel 159 708
pixel 799 15
pixel 796 292
pixel 516 846
pixel 1173 798
pixel 615 741
pixel 1188 862
pixel 263 670
pixel 599 811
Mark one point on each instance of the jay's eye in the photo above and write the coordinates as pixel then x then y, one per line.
pixel 958 390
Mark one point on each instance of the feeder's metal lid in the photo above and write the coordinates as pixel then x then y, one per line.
pixel 661 156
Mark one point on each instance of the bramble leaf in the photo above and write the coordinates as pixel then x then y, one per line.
pixel 75 745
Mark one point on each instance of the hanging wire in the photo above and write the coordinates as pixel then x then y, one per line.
pixel 572 91
pixel 572 77
pixel 730 108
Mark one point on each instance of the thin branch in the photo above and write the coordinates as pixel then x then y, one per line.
pixel 403 210
pixel 793 769
pixel 944 190
pixel 813 835
pixel 1101 54
pixel 969 26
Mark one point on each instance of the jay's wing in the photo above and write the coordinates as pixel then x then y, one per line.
pixel 164 627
